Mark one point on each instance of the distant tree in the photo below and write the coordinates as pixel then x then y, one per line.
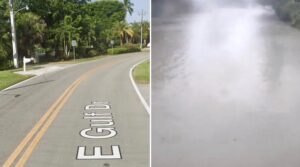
pixel 123 29
pixel 5 36
pixel 30 31
pixel 51 25
pixel 65 33
pixel 105 14
pixel 128 6
pixel 287 10
pixel 136 27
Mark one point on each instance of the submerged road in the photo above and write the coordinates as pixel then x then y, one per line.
pixel 226 89
pixel 85 115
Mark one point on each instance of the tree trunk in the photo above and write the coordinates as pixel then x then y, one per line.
pixel 121 41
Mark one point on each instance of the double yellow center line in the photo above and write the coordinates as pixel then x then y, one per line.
pixel 40 128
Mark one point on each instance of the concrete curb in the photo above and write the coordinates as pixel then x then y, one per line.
pixel 143 101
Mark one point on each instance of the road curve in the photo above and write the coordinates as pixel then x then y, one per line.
pixel 85 115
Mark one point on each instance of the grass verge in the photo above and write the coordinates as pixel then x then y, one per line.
pixel 141 73
pixel 8 78
pixel 78 60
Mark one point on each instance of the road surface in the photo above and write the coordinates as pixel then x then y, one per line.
pixel 225 89
pixel 84 115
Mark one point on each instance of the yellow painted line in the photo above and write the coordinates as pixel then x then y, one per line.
pixel 43 130
pixel 44 123
pixel 28 137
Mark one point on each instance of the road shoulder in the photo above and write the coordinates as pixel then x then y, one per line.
pixel 142 90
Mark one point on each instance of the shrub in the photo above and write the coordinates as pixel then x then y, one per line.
pixel 130 45
pixel 92 53
pixel 81 52
pixel 5 62
pixel 122 50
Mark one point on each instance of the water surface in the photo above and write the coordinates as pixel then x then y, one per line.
pixel 225 89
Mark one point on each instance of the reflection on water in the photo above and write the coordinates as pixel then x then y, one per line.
pixel 225 89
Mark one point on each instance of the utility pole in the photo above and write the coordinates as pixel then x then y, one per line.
pixel 142 17
pixel 13 34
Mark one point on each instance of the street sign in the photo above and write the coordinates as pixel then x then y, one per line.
pixel 74 43
pixel 112 42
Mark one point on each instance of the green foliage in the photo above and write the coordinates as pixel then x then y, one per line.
pixel 136 27
pixel 30 31
pixel 128 6
pixel 92 53
pixel 131 45
pixel 121 50
pixel 5 38
pixel 65 33
pixel 8 78
pixel 287 10
pixel 51 25
pixel 4 61
pixel 123 30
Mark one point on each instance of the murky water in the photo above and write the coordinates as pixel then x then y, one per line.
pixel 226 89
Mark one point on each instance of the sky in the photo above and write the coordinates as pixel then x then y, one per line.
pixel 139 5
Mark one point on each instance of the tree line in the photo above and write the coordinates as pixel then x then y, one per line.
pixel 287 10
pixel 50 25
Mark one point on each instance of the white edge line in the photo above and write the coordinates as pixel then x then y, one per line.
pixel 10 87
pixel 137 89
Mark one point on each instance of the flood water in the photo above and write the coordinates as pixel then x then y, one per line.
pixel 225 89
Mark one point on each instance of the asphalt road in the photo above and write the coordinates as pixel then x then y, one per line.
pixel 69 115
pixel 225 89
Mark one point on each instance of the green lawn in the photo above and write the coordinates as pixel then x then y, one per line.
pixel 142 73
pixel 8 78
pixel 28 67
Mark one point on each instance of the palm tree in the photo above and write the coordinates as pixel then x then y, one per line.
pixel 31 29
pixel 65 33
pixel 128 6
pixel 123 29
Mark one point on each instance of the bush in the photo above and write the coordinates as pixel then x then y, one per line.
pixel 130 45
pixel 92 53
pixel 102 47
pixel 5 62
pixel 81 52
pixel 122 50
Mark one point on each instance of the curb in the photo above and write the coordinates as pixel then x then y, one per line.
pixel 143 101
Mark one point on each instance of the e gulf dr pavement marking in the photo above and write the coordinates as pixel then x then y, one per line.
pixel 31 140
pixel 101 122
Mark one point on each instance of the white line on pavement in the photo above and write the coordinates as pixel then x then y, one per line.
pixel 136 88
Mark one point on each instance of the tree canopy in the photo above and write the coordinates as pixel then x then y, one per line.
pixel 50 26
pixel 287 10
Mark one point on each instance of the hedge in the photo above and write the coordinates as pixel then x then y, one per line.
pixel 115 51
